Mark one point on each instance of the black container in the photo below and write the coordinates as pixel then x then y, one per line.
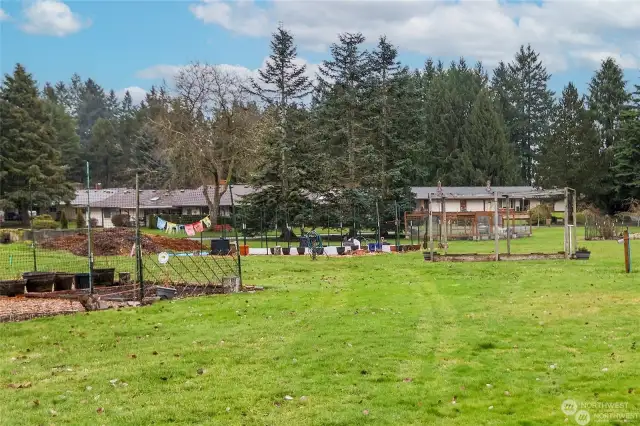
pixel 301 250
pixel 340 250
pixel 12 287
pixel 220 247
pixel 82 281
pixel 39 281
pixel 583 255
pixel 63 281
pixel 286 251
pixel 104 276
pixel 319 250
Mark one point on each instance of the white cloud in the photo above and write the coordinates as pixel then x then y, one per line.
pixel 3 15
pixel 167 72
pixel 52 17
pixel 138 94
pixel 491 30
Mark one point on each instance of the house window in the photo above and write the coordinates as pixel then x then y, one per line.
pixel 463 205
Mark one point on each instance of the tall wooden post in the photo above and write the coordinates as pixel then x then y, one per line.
pixel 430 228
pixel 496 235
pixel 627 251
pixel 444 223
pixel 508 230
pixel 575 222
pixel 566 223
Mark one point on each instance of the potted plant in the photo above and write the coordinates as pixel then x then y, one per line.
pixel 286 251
pixel 340 250
pixel 582 253
pixel 301 250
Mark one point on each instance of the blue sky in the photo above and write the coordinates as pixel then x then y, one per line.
pixel 114 42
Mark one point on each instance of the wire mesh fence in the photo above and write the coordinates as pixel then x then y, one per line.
pixel 36 268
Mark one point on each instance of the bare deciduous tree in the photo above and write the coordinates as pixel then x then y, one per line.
pixel 211 131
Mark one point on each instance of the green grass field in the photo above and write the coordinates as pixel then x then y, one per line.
pixel 387 339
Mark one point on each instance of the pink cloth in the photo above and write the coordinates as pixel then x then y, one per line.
pixel 189 230
pixel 198 227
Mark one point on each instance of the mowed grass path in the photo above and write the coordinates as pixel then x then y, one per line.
pixel 385 339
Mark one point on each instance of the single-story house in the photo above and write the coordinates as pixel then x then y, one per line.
pixel 479 198
pixel 106 203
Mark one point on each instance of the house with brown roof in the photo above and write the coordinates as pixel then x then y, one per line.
pixel 106 203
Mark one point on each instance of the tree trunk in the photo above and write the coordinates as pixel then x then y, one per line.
pixel 25 215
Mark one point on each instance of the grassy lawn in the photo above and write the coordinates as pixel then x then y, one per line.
pixel 385 339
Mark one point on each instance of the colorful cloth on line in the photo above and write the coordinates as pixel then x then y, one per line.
pixel 172 228
pixel 198 227
pixel 207 222
pixel 189 230
pixel 161 223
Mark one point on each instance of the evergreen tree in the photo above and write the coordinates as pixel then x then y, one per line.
pixel 569 155
pixel 283 169
pixel 533 103
pixel 339 112
pixel 607 98
pixel 626 165
pixel 485 153
pixel 106 152
pixel 30 169
pixel 66 141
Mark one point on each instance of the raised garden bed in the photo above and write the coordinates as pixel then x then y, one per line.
pixel 39 281
pixel 12 287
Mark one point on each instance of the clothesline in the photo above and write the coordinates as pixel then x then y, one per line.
pixel 191 229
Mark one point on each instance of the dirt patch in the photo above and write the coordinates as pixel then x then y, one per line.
pixel 118 242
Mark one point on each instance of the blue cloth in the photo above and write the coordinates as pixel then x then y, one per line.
pixel 161 223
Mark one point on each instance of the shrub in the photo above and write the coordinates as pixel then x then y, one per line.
pixel 80 221
pixel 94 222
pixel 120 220
pixel 540 213
pixel 153 221
pixel 44 222
pixel 64 223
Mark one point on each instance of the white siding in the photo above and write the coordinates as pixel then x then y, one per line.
pixel 558 206
pixel 475 205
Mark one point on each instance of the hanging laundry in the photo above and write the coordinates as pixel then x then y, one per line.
pixel 207 222
pixel 172 228
pixel 198 227
pixel 189 230
pixel 161 223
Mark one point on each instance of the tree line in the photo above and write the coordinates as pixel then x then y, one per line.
pixel 365 129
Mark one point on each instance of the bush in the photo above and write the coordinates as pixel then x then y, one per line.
pixel 540 214
pixel 44 222
pixel 120 220
pixel 153 221
pixel 94 222
pixel 80 220
pixel 64 223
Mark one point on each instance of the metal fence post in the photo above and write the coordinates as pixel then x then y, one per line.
pixel 89 248
pixel 235 229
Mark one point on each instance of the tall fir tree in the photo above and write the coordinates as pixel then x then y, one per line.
pixel 607 98
pixel 486 154
pixel 31 172
pixel 569 155
pixel 283 170
pixel 626 164
pixel 533 104
pixel 339 98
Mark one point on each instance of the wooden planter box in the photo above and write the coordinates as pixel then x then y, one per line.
pixel 39 281
pixel 12 287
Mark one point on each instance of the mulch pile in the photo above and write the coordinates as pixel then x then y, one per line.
pixel 118 242
pixel 20 308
